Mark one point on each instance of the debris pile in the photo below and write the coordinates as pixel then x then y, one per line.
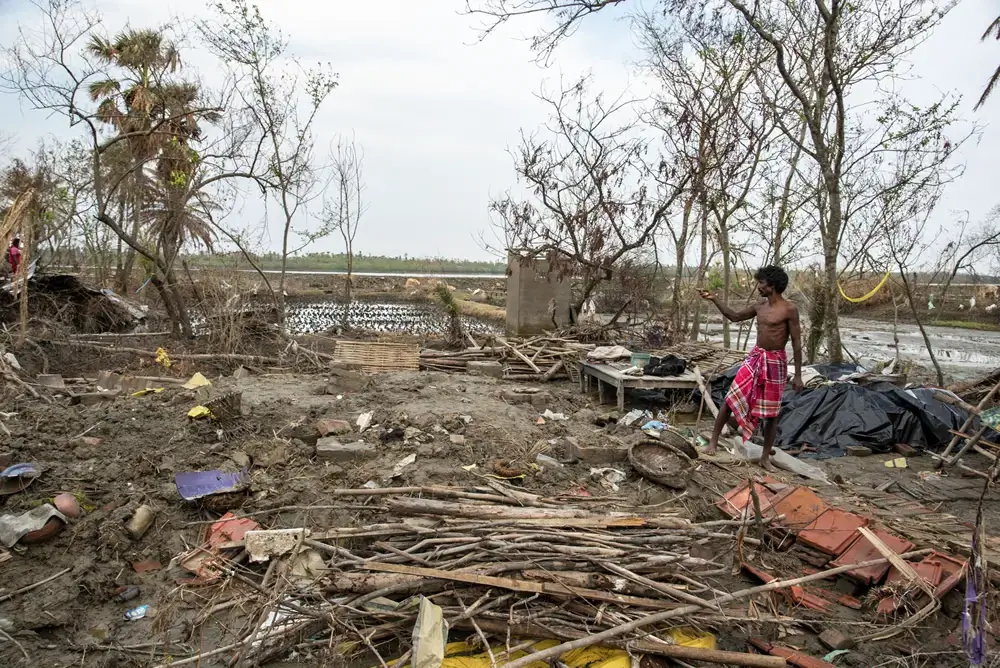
pixel 537 358
pixel 65 300
pixel 502 565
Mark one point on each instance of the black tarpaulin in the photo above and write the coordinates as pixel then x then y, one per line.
pixel 877 416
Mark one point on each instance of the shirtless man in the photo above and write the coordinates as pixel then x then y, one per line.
pixel 756 391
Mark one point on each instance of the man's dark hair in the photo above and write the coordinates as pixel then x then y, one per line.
pixel 773 276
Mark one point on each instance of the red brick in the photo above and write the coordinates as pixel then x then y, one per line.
pixel 860 550
pixel 802 598
pixel 800 506
pixel 793 657
pixel 735 502
pixel 146 566
pixel 928 570
pixel 761 575
pixel 832 531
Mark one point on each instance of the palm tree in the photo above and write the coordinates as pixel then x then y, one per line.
pixel 994 32
pixel 157 116
pixel 132 105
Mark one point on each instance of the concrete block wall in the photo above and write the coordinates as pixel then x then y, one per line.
pixel 531 286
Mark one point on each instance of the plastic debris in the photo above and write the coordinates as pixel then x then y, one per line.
pixel 15 527
pixel 897 463
pixel 18 477
pixel 365 421
pixel 199 412
pixel 609 478
pixel 136 614
pixel 546 461
pixel 140 522
pixel 148 390
pixel 196 381
pixel 655 425
pixel 549 415
pixel 397 470
pixel 430 636
pixel 126 593
pixel 194 485
pixel 832 656
pixel 632 417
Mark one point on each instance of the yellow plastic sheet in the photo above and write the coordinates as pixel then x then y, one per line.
pixel 858 300
pixel 148 390
pixel 197 381
pixel 461 655
pixel 199 412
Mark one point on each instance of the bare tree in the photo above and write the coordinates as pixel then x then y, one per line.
pixel 269 93
pixel 344 211
pixel 968 249
pixel 860 44
pixel 905 245
pixel 595 200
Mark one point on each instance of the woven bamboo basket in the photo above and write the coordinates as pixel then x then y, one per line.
pixel 661 463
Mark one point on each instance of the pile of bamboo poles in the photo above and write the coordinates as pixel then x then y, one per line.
pixel 503 567
pixel 538 358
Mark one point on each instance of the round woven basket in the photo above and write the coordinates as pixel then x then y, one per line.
pixel 678 442
pixel 661 463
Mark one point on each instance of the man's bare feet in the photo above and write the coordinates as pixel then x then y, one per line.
pixel 767 464
pixel 712 448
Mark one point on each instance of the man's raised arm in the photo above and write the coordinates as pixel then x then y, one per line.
pixel 749 313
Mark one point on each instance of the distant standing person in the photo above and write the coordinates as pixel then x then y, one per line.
pixel 14 255
pixel 756 391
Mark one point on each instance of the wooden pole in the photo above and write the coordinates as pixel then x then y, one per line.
pixel 965 427
pixel 23 269
pixel 656 618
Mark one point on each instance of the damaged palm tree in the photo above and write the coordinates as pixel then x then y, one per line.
pixel 456 333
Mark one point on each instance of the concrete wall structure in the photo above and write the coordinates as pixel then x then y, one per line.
pixel 532 285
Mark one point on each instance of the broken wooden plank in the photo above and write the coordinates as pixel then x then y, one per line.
pixel 547 588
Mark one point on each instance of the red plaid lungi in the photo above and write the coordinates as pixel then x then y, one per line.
pixel 757 389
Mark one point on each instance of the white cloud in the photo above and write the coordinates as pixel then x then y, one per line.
pixel 433 108
pixel 436 110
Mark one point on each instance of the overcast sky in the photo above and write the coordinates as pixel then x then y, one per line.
pixel 435 109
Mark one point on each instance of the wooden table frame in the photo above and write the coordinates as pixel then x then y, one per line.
pixel 608 375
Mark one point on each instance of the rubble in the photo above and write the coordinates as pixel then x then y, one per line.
pixel 332 450
pixel 541 534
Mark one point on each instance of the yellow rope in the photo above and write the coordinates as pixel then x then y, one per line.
pixel 858 300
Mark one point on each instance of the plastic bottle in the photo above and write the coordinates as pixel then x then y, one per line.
pixel 137 613
pixel 126 593
pixel 140 522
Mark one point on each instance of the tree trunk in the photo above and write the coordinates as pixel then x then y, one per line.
pixel 783 213
pixel 727 280
pixel 284 262
pixel 696 323
pixel 348 288
pixel 817 317
pixel 920 326
pixel 831 321
pixel 174 288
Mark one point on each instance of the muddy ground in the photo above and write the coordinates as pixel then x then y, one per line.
pixel 118 455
